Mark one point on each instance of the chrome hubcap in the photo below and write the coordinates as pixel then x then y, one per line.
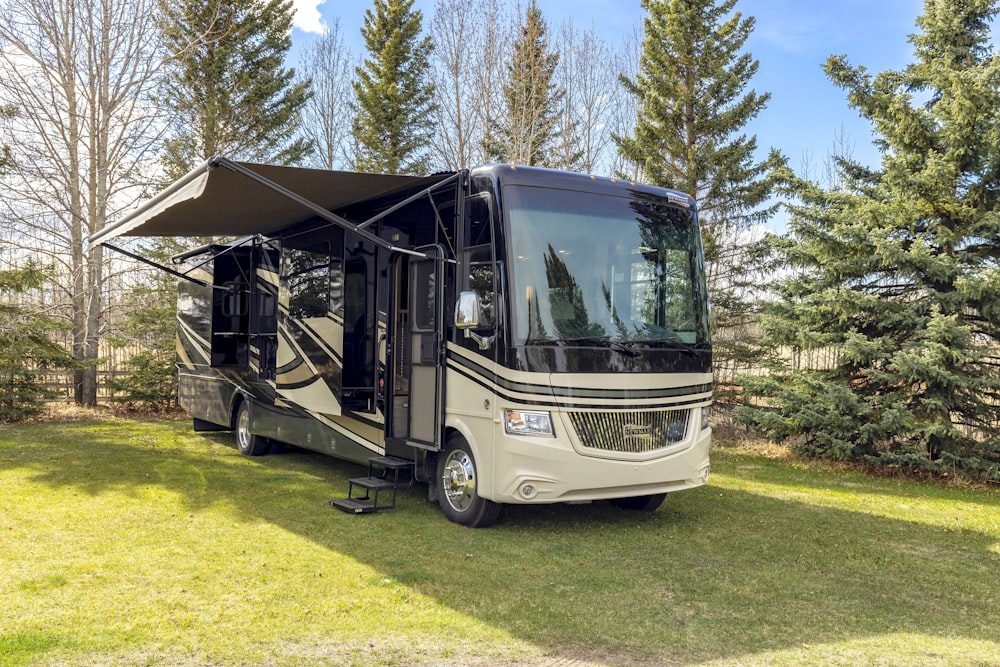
pixel 459 480
pixel 243 429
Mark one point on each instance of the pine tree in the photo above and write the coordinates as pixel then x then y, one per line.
pixel 26 348
pixel 896 271
pixel 394 109
pixel 149 379
pixel 529 132
pixel 229 90
pixel 693 107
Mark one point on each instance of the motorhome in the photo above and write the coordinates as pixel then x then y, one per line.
pixel 504 334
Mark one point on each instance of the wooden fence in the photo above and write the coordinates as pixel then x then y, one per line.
pixel 113 363
pixel 61 384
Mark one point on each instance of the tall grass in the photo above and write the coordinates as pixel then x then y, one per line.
pixel 125 543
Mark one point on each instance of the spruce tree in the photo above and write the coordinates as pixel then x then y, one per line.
pixel 896 272
pixel 26 346
pixel 228 89
pixel 394 107
pixel 149 377
pixel 693 108
pixel 529 133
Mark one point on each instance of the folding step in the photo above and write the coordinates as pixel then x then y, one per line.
pixel 378 481
pixel 353 505
pixel 372 483
pixel 390 463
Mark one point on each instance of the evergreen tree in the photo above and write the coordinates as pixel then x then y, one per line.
pixel 529 132
pixel 26 349
pixel 394 109
pixel 897 270
pixel 693 107
pixel 150 378
pixel 228 89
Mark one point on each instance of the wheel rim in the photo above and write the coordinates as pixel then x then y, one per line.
pixel 243 429
pixel 458 480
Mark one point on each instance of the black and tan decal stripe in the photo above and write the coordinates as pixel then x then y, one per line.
pixel 192 349
pixel 318 339
pixel 296 373
pixel 576 397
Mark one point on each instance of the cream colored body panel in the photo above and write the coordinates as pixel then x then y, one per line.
pixel 299 381
pixel 562 468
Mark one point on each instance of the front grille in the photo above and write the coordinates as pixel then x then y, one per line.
pixel 633 431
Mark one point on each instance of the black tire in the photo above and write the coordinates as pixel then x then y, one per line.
pixel 248 443
pixel 458 495
pixel 641 503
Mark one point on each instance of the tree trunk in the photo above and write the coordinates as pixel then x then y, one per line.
pixel 80 75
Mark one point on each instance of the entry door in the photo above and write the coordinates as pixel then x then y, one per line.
pixel 423 332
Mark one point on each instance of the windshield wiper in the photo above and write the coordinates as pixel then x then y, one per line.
pixel 679 344
pixel 627 350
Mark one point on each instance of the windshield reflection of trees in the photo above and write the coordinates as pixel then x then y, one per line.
pixel 662 297
pixel 672 232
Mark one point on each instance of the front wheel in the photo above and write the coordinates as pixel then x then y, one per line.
pixel 458 496
pixel 248 443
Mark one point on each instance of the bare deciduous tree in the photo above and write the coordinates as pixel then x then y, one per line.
pixel 489 58
pixel 79 75
pixel 326 117
pixel 626 108
pixel 588 73
pixel 458 32
pixel 472 47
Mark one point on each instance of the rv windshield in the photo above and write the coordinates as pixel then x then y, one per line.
pixel 590 268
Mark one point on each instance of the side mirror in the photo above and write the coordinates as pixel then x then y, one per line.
pixel 467 318
pixel 467 311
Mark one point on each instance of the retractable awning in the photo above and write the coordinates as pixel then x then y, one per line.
pixel 226 198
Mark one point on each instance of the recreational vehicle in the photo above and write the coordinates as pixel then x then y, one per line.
pixel 503 334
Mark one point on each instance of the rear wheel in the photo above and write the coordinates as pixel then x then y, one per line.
pixel 641 503
pixel 248 443
pixel 458 496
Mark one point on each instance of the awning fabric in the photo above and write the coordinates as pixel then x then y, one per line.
pixel 216 199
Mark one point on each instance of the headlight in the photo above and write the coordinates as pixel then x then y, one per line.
pixel 522 422
pixel 704 418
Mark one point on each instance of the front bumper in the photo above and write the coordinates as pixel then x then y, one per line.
pixel 552 470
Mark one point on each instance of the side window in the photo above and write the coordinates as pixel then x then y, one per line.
pixel 423 306
pixel 480 275
pixel 337 286
pixel 360 324
pixel 306 277
pixel 481 280
pixel 264 316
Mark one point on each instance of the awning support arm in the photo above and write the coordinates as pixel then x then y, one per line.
pixel 318 210
pixel 157 265
pixel 202 249
pixel 409 200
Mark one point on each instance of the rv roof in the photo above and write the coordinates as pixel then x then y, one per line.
pixel 215 199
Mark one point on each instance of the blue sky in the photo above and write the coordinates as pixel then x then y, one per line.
pixel 791 41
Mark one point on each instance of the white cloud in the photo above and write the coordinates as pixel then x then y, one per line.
pixel 307 16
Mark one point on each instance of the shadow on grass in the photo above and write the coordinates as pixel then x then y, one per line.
pixel 713 572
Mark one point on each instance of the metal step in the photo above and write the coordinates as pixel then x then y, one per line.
pixel 389 463
pixel 374 484
pixel 353 505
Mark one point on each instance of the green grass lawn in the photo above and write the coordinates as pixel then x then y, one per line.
pixel 143 543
